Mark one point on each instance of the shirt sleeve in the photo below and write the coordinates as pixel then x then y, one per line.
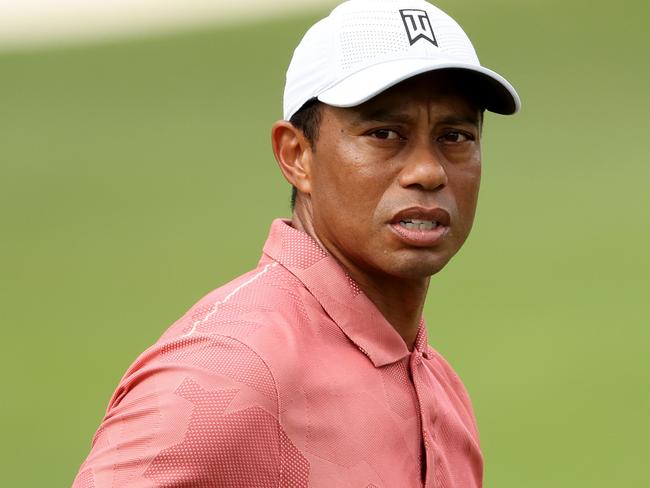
pixel 197 411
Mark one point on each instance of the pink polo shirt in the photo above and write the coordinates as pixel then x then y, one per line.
pixel 287 377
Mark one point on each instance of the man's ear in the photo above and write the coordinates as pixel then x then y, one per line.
pixel 293 152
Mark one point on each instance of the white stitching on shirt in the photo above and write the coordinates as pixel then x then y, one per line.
pixel 215 307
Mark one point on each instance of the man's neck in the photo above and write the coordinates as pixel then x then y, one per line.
pixel 400 301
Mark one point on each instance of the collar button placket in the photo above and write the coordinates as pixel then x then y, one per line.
pixel 427 447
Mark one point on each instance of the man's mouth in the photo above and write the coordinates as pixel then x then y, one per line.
pixel 415 224
pixel 421 226
pixel 422 218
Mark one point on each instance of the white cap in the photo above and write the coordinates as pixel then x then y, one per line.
pixel 366 46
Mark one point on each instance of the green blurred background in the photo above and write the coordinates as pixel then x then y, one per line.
pixel 137 176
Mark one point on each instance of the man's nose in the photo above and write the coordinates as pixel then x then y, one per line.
pixel 423 169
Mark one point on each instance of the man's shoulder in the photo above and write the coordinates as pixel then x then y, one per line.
pixel 239 331
pixel 211 385
pixel 249 320
pixel 262 299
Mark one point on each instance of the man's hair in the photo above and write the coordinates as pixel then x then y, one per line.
pixel 307 120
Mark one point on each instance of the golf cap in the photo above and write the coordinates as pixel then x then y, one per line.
pixel 366 46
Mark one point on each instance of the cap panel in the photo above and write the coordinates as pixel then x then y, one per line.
pixel 311 59
pixel 368 37
pixel 453 42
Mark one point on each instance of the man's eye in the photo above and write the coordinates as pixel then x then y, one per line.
pixel 385 134
pixel 455 136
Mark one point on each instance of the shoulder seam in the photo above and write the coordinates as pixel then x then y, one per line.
pixel 215 307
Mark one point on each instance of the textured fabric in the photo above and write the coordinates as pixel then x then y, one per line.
pixel 287 377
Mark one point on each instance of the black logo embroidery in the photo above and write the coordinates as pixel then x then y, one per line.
pixel 418 26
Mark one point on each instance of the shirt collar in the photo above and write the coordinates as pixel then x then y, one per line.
pixel 339 295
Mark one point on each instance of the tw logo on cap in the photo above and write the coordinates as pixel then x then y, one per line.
pixel 418 26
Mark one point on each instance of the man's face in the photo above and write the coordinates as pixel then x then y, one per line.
pixel 394 182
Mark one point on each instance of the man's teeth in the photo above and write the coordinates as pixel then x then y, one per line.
pixel 414 224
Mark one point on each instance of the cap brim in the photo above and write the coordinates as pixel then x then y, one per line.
pixel 493 90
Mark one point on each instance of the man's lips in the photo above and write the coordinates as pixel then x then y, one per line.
pixel 420 226
pixel 433 214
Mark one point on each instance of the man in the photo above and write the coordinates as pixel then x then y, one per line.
pixel 314 368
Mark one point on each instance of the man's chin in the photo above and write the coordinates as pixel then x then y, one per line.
pixel 419 267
